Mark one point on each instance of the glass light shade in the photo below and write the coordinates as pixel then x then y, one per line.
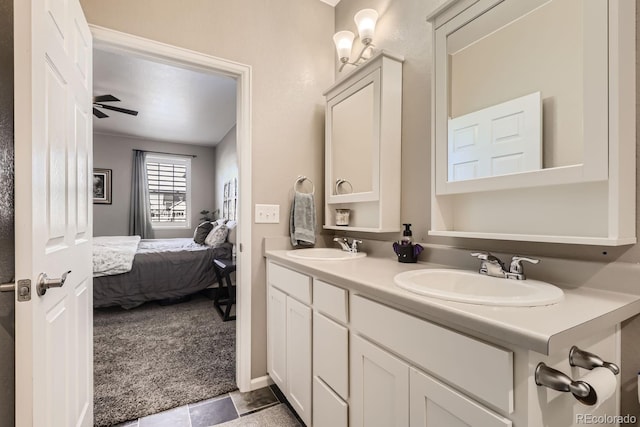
pixel 366 22
pixel 344 42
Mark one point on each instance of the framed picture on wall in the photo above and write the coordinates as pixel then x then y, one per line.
pixel 102 186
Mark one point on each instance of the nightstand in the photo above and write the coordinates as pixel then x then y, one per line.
pixel 223 301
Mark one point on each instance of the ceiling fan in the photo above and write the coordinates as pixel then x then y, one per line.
pixel 98 101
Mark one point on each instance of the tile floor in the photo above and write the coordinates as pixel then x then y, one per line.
pixel 264 407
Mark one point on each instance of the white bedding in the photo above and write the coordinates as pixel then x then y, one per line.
pixel 113 254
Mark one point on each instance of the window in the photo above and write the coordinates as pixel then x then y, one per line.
pixel 169 191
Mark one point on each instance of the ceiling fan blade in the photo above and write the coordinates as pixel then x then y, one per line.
pixel 118 109
pixel 99 114
pixel 105 98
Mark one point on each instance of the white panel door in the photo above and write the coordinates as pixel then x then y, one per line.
pixel 277 337
pixel 379 387
pixel 299 358
pixel 53 140
pixel 498 140
pixel 434 404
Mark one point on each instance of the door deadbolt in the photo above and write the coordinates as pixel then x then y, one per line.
pixel 45 283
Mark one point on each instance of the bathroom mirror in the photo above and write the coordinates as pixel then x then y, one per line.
pixel 353 141
pixel 579 59
pixel 498 51
pixel 351 136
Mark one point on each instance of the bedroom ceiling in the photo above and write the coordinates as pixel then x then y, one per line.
pixel 174 104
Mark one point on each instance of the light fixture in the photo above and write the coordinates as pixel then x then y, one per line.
pixel 366 22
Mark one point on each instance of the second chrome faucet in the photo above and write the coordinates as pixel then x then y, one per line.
pixel 492 266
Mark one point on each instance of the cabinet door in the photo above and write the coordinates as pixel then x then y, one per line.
pixel 329 410
pixel 277 337
pixel 434 404
pixel 298 389
pixel 379 387
pixel 331 354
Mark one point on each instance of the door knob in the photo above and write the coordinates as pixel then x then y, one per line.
pixel 7 287
pixel 45 283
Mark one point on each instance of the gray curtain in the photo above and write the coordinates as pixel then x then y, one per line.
pixel 140 216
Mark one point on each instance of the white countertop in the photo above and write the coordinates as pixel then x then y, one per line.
pixel 544 329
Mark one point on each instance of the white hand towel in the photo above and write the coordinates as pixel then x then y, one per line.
pixel 302 222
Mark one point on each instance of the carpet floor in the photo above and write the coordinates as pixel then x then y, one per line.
pixel 153 358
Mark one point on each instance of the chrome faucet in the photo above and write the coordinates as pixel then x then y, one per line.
pixel 492 266
pixel 516 270
pixel 343 243
pixel 346 246
pixel 354 245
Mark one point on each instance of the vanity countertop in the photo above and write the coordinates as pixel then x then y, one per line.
pixel 544 329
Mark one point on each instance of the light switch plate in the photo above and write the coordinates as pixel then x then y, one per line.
pixel 267 214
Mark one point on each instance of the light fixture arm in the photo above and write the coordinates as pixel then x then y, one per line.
pixel 360 57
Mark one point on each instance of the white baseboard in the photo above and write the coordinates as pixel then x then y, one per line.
pixel 260 382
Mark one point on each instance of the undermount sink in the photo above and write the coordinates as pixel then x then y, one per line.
pixel 324 254
pixel 475 288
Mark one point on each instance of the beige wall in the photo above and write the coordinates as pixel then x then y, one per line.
pixel 115 153
pixel 226 167
pixel 288 44
pixel 402 29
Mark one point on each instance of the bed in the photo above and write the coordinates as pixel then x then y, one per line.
pixel 129 271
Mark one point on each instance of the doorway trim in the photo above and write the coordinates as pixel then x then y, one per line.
pixel 116 41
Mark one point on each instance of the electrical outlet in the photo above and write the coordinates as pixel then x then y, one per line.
pixel 268 214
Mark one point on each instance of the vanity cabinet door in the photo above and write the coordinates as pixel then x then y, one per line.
pixel 379 387
pixel 277 337
pixel 299 358
pixel 434 404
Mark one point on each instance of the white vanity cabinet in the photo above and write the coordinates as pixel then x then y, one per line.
pixel 389 392
pixel 392 389
pixel 343 357
pixel 362 146
pixel 330 355
pixel 289 336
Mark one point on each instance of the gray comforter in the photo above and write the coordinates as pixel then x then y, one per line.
pixel 162 268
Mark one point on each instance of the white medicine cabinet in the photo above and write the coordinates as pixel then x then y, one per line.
pixel 362 147
pixel 574 181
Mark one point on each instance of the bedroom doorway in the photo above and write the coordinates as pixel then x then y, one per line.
pixel 113 41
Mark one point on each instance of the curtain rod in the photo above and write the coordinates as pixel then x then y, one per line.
pixel 169 154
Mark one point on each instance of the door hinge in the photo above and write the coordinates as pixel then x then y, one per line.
pixel 240 247
pixel 24 290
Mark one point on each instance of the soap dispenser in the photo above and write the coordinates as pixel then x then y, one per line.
pixel 406 235
pixel 405 249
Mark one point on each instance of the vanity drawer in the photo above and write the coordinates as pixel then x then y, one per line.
pixel 331 300
pixel 331 353
pixel 481 369
pixel 291 282
pixel 328 409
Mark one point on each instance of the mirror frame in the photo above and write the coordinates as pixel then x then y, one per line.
pixel 595 166
pixel 372 78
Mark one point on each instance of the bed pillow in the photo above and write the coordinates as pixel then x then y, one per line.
pixel 231 236
pixel 202 231
pixel 217 236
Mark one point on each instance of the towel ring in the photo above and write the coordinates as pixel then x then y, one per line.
pixel 339 183
pixel 300 180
